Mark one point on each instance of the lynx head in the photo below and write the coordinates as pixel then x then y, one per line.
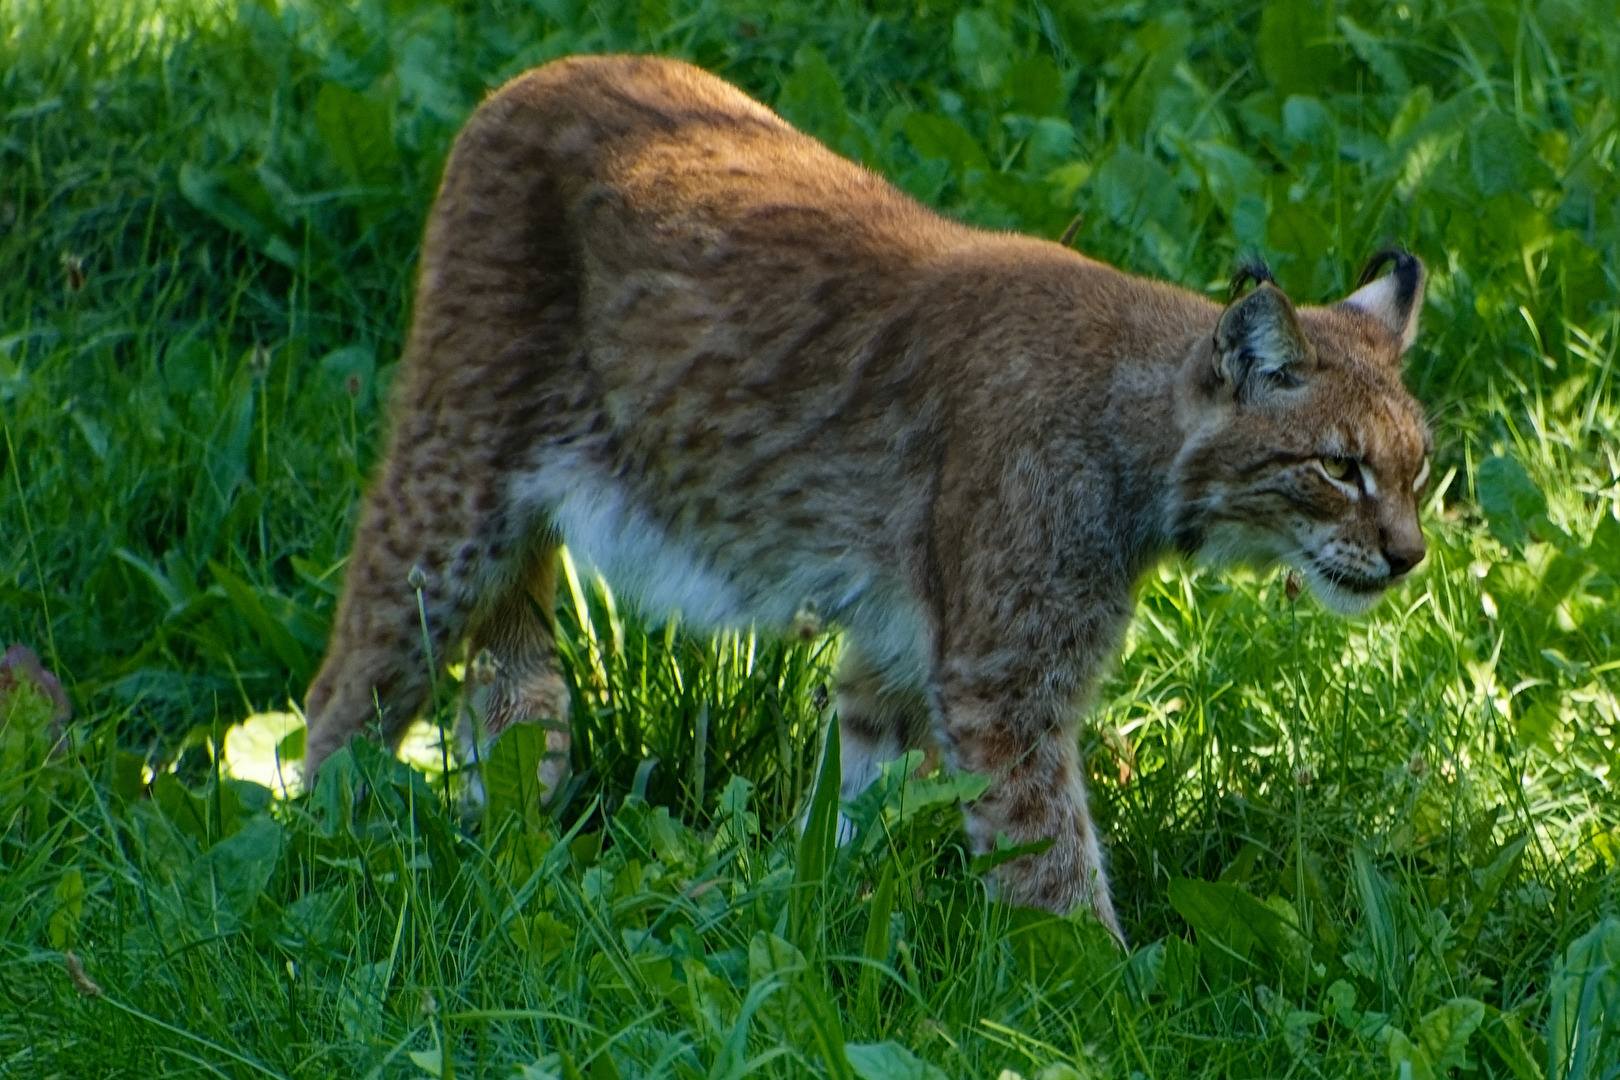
pixel 1305 446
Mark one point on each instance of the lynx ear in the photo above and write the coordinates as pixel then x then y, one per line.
pixel 1394 299
pixel 1259 345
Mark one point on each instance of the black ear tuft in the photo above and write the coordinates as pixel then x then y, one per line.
pixel 1394 299
pixel 1249 272
pixel 1408 272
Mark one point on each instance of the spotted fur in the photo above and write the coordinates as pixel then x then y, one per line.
pixel 745 376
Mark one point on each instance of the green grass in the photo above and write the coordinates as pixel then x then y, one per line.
pixel 1378 847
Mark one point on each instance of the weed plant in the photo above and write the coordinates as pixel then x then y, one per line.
pixel 1377 847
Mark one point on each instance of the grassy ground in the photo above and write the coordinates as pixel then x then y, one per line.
pixel 1381 847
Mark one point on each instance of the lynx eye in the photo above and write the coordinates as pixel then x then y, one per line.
pixel 1341 469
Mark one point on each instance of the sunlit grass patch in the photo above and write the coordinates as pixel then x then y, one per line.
pixel 256 750
pixel 1377 847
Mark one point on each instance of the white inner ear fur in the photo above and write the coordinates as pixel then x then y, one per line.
pixel 1271 345
pixel 1382 300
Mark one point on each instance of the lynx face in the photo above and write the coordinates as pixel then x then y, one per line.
pixel 1311 452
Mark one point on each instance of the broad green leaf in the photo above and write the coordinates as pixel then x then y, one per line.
pixel 511 776
pixel 228 457
pixel 188 812
pixel 332 802
pixel 1410 1060
pixel 1280 935
pixel 1583 1016
pixel 1053 950
pixel 1033 85
pixel 428 73
pixel 1514 506
pixel 127 780
pixel 813 100
pixel 1178 977
pixel 1444 1032
pixel 1291 46
pixel 1307 122
pixel 237 199
pixel 945 139
pixel 1379 57
pixel 1502 158
pixel 222 886
pixel 1006 851
pixel 1133 188
pixel 155 577
pixel 1239 921
pixel 1215 911
pixel 1603 551
pixel 896 797
pixel 1413 109
pixel 1441 125
pixel 737 822
pixel 889 1061
pixel 981 49
pixel 95 436
pixel 1297 229
pixel 1236 185
pixel 361 999
pixel 732 1061
pixel 671 839
pixel 1382 933
pixel 1148 66
pixel 1507 1036
pixel 291 748
pixel 1494 877
pixel 351 370
pixel 318 920
pixel 271 633
pixel 1051 144
pixel 824 1026
pixel 770 956
pixel 358 133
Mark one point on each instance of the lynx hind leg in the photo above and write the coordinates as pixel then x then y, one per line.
pixel 877 722
pixel 412 582
pixel 512 674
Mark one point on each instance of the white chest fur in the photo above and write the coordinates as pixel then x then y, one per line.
pixel 606 531
pixel 663 574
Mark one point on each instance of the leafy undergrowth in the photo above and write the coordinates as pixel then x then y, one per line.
pixel 1385 847
pixel 361 932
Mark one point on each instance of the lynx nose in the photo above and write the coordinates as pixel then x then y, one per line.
pixel 1403 553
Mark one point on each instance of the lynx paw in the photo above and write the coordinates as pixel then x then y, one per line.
pixel 494 703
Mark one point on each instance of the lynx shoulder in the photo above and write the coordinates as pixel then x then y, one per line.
pixel 741 375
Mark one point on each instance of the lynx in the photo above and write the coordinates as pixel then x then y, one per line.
pixel 743 376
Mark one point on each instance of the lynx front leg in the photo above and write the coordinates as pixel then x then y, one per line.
pixel 1037 791
pixel 513 676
